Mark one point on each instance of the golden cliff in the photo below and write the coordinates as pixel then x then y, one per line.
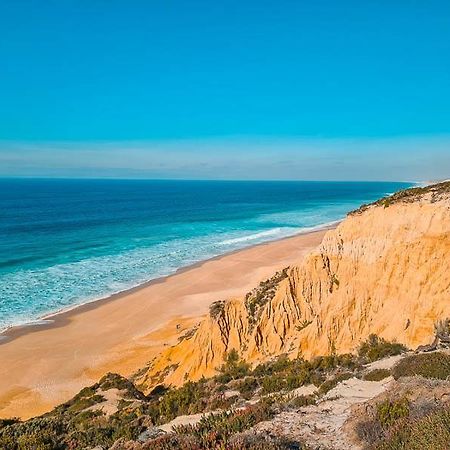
pixel 383 270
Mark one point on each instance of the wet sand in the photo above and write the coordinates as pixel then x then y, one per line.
pixel 46 364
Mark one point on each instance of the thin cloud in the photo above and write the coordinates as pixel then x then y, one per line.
pixel 408 158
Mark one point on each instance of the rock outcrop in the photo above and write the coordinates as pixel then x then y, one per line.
pixel 385 270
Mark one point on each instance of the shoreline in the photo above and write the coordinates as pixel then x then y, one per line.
pixel 46 364
pixel 60 318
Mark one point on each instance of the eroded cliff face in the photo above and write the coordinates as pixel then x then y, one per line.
pixel 383 270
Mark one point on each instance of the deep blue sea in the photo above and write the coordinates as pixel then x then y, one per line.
pixel 66 242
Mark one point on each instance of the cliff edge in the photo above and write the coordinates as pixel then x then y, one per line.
pixel 383 270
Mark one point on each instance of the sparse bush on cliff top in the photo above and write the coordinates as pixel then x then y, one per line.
pixel 437 191
pixel 216 309
pixel 375 348
pixel 427 365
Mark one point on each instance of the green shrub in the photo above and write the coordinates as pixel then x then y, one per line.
pixel 427 365
pixel 324 363
pixel 264 293
pixel 273 383
pixel 237 442
pixel 390 411
pixel 327 385
pixel 278 365
pixel 329 362
pixel 377 375
pixel 188 399
pixel 285 381
pixel 10 421
pixel 284 374
pixel 375 348
pixel 216 309
pixel 247 387
pixel 233 368
pixel 302 400
pixel 86 402
pixel 214 431
pixel 431 432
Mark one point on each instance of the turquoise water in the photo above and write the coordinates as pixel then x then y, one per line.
pixel 67 242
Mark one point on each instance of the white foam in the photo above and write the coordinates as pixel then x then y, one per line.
pixel 252 237
pixel 81 282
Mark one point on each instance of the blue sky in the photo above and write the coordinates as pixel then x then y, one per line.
pixel 190 89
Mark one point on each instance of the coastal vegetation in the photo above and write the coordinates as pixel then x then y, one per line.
pixel 377 375
pixel 414 413
pixel 376 348
pixel 431 432
pixel 256 299
pixel 428 365
pixel 113 413
pixel 436 191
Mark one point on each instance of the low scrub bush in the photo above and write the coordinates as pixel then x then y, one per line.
pixel 187 399
pixel 327 385
pixel 389 411
pixel 375 426
pixel 431 432
pixel 375 348
pixel 247 387
pixel 285 382
pixel 301 401
pixel 326 363
pixel 215 430
pixel 10 421
pixel 278 365
pixel 377 375
pixel 216 309
pixel 233 368
pixel 427 365
pixel 239 441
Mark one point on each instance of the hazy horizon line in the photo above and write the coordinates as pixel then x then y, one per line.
pixel 234 158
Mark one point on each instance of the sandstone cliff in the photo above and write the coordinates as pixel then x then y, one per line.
pixel 383 270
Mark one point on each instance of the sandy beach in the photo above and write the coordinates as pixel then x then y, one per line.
pixel 44 365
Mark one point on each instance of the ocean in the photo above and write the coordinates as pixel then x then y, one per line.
pixel 68 242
